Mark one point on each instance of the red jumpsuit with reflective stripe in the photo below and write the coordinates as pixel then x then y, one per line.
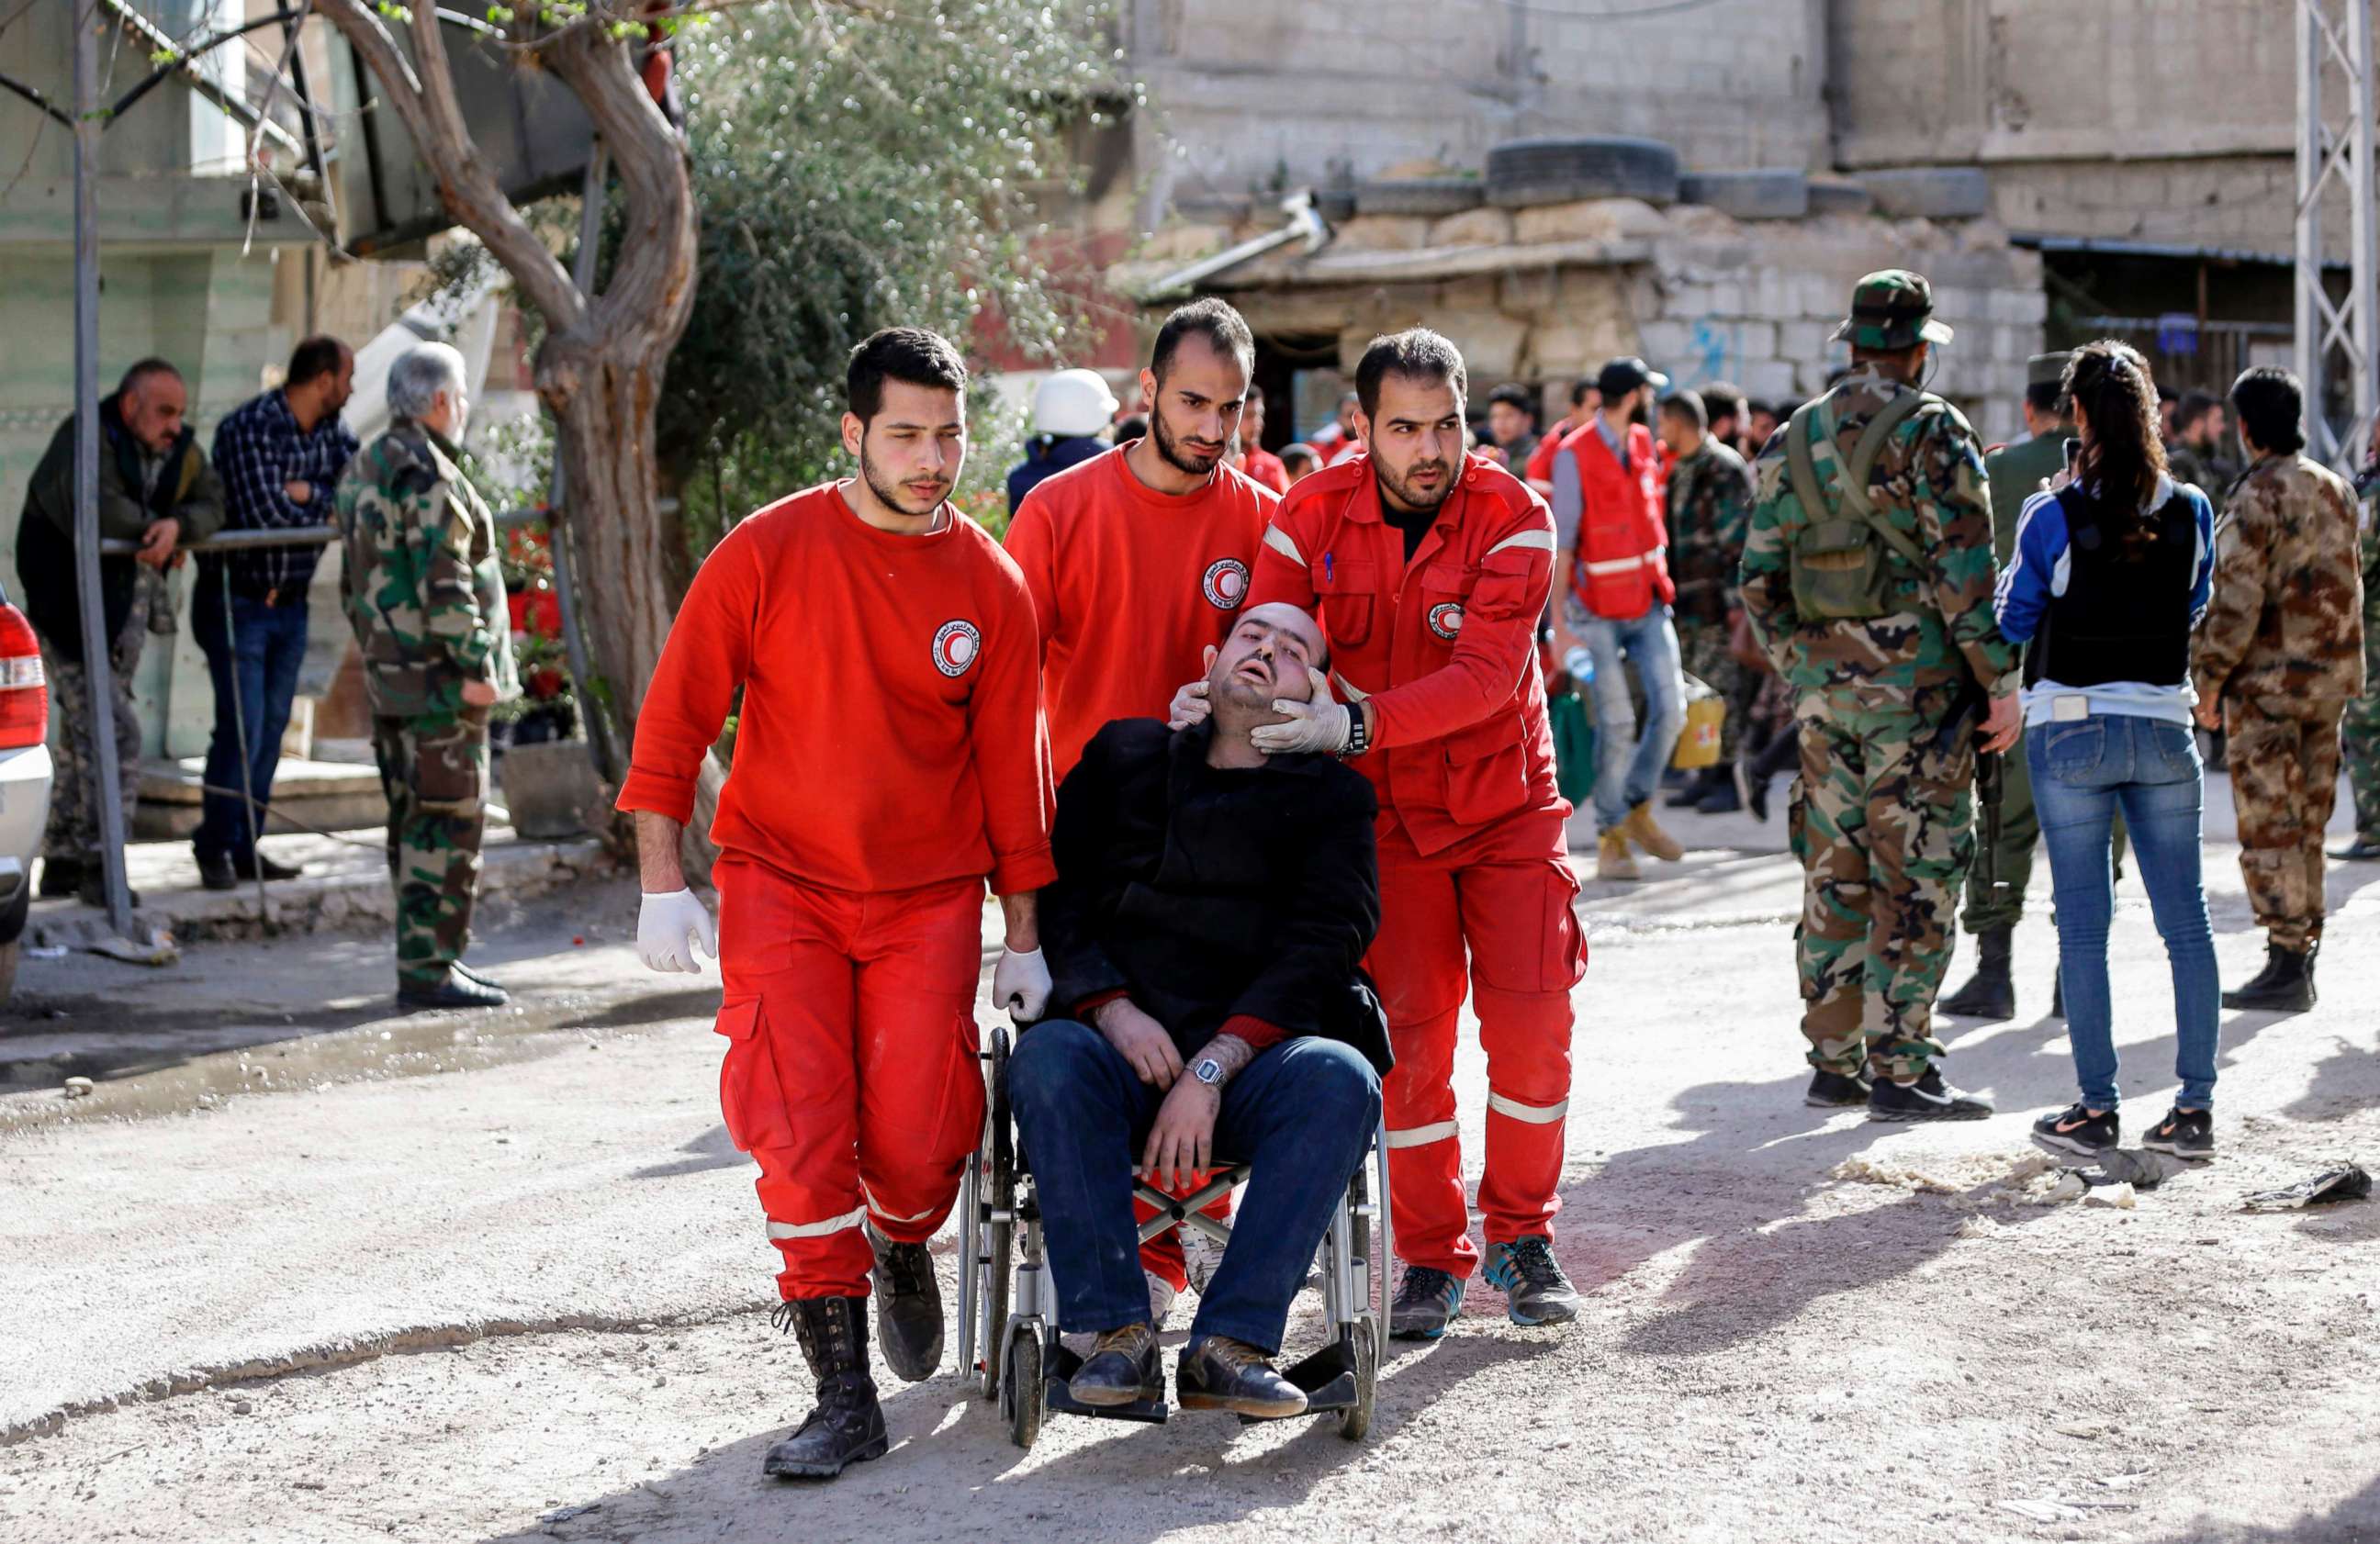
pixel 889 756
pixel 1472 852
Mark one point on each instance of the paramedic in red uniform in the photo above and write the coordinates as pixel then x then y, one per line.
pixel 1138 560
pixel 889 758
pixel 1430 570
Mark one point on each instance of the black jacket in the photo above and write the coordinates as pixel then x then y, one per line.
pixel 1207 894
pixel 187 489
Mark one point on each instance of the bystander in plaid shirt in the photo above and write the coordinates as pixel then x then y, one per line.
pixel 258 450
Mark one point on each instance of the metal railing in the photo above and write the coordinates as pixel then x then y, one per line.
pixel 100 672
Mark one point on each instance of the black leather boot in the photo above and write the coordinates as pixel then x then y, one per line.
pixel 2285 985
pixel 1990 993
pixel 847 1425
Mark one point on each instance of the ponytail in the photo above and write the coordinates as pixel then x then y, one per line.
pixel 2124 455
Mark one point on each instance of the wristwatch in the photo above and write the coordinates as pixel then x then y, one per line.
pixel 1207 1070
pixel 1359 739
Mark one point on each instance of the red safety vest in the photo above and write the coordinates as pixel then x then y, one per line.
pixel 1621 565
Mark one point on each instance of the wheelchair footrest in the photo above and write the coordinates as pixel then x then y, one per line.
pixel 1327 1377
pixel 1059 1396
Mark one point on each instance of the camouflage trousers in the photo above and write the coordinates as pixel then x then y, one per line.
pixel 435 771
pixel 1884 827
pixel 2284 761
pixel 2362 730
pixel 1702 653
pixel 73 832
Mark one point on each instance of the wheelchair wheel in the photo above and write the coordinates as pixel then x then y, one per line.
pixel 1356 1420
pixel 999 1213
pixel 1023 1395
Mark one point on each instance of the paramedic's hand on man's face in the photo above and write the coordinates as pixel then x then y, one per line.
pixel 1189 707
pixel 1320 724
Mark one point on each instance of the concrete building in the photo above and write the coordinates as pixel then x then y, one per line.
pixel 2061 171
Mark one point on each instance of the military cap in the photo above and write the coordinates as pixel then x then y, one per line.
pixel 1892 308
pixel 2047 369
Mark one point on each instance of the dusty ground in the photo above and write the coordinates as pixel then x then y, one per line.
pixel 450 1284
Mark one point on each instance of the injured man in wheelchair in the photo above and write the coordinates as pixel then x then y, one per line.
pixel 1211 908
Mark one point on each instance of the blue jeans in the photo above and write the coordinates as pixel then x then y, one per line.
pixel 253 653
pixel 2082 772
pixel 1302 1115
pixel 1625 779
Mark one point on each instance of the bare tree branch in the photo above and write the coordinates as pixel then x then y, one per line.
pixel 426 101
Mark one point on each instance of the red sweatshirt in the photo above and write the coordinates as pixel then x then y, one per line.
pixel 1130 586
pixel 891 733
pixel 1445 646
pixel 1263 466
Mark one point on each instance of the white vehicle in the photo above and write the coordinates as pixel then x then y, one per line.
pixel 24 777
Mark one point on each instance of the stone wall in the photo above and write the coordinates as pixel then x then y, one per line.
pixel 1547 296
pixel 2150 120
pixel 1252 93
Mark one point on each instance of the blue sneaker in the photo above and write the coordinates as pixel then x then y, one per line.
pixel 1426 1302
pixel 1535 1291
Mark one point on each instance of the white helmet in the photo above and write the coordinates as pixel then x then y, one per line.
pixel 1073 403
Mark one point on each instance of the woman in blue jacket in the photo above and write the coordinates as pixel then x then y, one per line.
pixel 2114 565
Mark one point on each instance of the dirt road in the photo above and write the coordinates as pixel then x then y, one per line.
pixel 491 1282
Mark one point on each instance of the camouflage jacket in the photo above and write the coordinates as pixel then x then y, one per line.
pixel 1710 504
pixel 421 584
pixel 1929 484
pixel 2286 626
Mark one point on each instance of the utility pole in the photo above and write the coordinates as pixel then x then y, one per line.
pixel 2337 350
pixel 97 668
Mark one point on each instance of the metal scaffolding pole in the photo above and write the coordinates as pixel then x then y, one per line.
pixel 2337 343
pixel 98 667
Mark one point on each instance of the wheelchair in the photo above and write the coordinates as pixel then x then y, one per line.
pixel 1008 1335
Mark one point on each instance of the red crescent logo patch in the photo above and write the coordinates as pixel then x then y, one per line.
pixel 1226 584
pixel 956 645
pixel 1446 618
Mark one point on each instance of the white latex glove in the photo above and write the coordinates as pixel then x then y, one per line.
pixel 1189 707
pixel 1020 984
pixel 668 928
pixel 1320 725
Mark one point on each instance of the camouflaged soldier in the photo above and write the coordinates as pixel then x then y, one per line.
pixel 1710 505
pixel 2278 657
pixel 1868 577
pixel 2361 729
pixel 426 596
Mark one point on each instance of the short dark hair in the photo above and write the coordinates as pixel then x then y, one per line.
pixel 2195 405
pixel 1416 354
pixel 912 355
pixel 142 369
pixel 1513 394
pixel 1256 393
pixel 1579 390
pixel 314 358
pixel 1297 454
pixel 1687 404
pixel 2271 405
pixel 2044 396
pixel 1131 426
pixel 1753 405
pixel 1224 328
pixel 1722 400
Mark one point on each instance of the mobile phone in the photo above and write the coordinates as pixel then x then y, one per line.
pixel 2074 457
